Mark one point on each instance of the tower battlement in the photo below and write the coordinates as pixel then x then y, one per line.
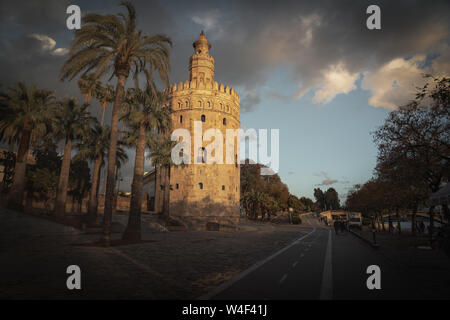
pixel 200 85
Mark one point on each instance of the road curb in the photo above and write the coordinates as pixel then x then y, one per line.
pixel 374 245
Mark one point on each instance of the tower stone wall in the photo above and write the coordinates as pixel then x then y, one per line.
pixel 205 194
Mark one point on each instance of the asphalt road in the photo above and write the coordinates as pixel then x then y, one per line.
pixel 322 265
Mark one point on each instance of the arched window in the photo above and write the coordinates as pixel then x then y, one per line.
pixel 179 105
pixel 176 186
pixel 187 103
pixel 208 104
pixel 199 103
pixel 181 119
pixel 203 118
pixel 223 187
pixel 200 185
pixel 224 121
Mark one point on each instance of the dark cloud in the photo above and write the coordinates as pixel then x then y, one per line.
pixel 250 41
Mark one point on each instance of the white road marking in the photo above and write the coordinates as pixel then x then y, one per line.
pixel 282 278
pixel 326 290
pixel 294 264
pixel 243 274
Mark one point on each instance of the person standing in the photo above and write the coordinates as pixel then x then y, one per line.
pixel 336 226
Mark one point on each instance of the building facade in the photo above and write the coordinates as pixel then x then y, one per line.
pixel 203 194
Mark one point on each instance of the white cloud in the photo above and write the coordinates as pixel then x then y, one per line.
pixel 48 44
pixel 333 81
pixel 395 83
pixel 60 51
pixel 211 22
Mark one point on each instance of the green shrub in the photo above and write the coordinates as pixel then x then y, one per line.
pixel 296 219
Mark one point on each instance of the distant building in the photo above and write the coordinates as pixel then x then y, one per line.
pixel 201 194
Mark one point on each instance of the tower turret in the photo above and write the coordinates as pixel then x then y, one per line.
pixel 201 64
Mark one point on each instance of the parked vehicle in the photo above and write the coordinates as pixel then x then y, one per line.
pixel 354 220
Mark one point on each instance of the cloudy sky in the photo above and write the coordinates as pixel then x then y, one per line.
pixel 309 68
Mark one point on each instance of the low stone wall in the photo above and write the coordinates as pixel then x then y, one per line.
pixel 123 204
pixel 206 215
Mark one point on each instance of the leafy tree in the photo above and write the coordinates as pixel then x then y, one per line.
pixel 89 86
pixel 307 203
pixel 414 141
pixel 94 146
pixel 7 160
pixel 25 112
pixel 79 182
pixel 42 177
pixel 331 199
pixel 43 185
pixel 320 198
pixel 113 42
pixel 147 112
pixel 106 96
pixel 161 146
pixel 71 122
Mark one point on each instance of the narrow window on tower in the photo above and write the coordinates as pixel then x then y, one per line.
pixel 200 185
pixel 236 160
pixel 224 121
pixel 181 119
pixel 203 155
pixel 223 187
pixel 203 118
pixel 176 186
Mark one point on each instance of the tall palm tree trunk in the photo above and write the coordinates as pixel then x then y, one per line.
pixel 166 197
pixel 413 220
pixel 61 196
pixel 133 230
pixel 93 198
pixel 110 180
pixel 398 220
pixel 431 226
pixel 15 198
pixel 103 114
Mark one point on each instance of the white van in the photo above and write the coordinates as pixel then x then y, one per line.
pixel 354 220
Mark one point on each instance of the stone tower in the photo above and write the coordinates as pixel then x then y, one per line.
pixel 204 195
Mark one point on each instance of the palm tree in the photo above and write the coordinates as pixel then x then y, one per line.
pixel 25 112
pixel 112 43
pixel 106 96
pixel 161 147
pixel 94 146
pixel 89 86
pixel 72 121
pixel 146 112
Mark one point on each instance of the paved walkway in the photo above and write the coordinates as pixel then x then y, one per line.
pixel 34 255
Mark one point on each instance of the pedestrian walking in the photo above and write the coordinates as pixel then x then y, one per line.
pixel 336 226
